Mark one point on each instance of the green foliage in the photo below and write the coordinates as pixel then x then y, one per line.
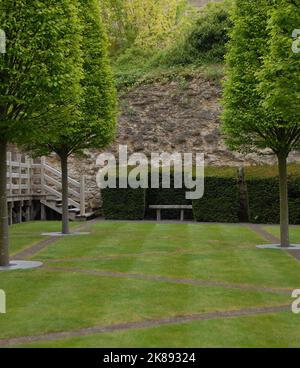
pixel 211 32
pixel 220 201
pixel 143 24
pixel 123 204
pixel 205 40
pixel 261 98
pixel 243 116
pixel 99 103
pixel 263 197
pixel 201 43
pixel 280 74
pixel 39 74
pixel 166 196
pixel 94 124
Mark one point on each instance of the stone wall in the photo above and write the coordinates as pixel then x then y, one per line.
pixel 181 116
pixel 172 116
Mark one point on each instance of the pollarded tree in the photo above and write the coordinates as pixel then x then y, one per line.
pixel 280 92
pixel 40 70
pixel 260 108
pixel 95 127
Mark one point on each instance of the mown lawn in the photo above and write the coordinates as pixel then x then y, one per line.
pixel 27 234
pixel 52 300
pixel 294 232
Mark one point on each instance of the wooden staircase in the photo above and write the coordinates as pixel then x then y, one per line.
pixel 30 181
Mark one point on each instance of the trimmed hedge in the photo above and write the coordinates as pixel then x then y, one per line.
pixel 220 201
pixel 264 200
pixel 167 196
pixel 124 204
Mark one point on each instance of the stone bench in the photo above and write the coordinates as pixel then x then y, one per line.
pixel 159 208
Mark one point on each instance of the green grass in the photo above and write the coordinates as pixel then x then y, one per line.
pixel 294 232
pixel 207 252
pixel 264 331
pixel 27 234
pixel 46 300
pixel 252 172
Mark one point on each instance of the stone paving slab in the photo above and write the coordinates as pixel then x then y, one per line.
pixel 274 239
pixel 36 248
pixel 279 247
pixel 21 265
pixel 57 234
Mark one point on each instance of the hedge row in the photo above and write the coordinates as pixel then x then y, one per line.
pixel 264 204
pixel 124 204
pixel 220 202
pixel 167 196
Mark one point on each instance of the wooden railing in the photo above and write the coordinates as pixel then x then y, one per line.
pixel 19 173
pixel 28 178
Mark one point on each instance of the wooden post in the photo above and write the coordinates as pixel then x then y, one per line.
pixel 158 214
pixel 19 159
pixel 182 215
pixel 27 210
pixel 28 169
pixel 82 195
pixel 9 173
pixel 243 196
pixel 43 212
pixel 20 212
pixel 43 162
pixel 10 213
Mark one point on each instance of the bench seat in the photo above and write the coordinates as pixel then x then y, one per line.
pixel 161 207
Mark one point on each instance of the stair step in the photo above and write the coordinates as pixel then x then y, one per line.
pixel 74 210
pixel 60 205
pixel 87 216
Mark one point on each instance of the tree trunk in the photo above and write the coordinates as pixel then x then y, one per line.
pixel 4 248
pixel 284 204
pixel 65 193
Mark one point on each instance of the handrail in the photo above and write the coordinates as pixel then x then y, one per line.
pixel 25 177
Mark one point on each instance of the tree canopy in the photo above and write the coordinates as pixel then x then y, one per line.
pixel 143 23
pixel 261 98
pixel 94 124
pixel 38 69
pixel 40 76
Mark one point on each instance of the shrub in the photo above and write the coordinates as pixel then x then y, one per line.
pixel 167 196
pixel 220 201
pixel 209 37
pixel 264 200
pixel 205 41
pixel 263 197
pixel 144 23
pixel 123 204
